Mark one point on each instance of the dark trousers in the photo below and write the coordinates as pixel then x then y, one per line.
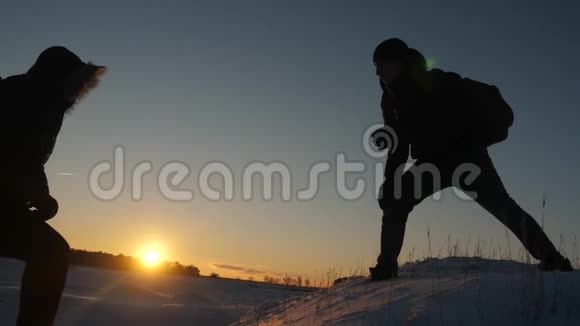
pixel 45 253
pixel 399 197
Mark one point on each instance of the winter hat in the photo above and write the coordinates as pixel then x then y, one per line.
pixel 392 49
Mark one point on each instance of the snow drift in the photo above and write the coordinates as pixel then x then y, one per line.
pixel 451 291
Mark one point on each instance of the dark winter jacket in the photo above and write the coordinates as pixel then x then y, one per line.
pixel 427 110
pixel 32 106
pixel 32 113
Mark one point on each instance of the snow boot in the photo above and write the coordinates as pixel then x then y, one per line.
pixel 381 273
pixel 556 264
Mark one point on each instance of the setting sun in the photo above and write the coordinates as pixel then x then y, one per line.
pixel 151 258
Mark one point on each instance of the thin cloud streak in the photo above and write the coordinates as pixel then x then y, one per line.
pixel 243 269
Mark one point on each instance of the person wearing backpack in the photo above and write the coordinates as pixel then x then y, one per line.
pixel 33 106
pixel 445 122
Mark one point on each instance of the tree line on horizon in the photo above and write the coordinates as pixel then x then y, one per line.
pixel 287 280
pixel 122 262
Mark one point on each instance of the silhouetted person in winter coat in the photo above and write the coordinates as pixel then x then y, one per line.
pixel 448 122
pixel 33 106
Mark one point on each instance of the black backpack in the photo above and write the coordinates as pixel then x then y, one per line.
pixel 478 111
pixel 492 116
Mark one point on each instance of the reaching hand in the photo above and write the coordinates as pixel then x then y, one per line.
pixel 46 208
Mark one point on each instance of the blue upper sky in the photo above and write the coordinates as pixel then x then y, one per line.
pixel 200 81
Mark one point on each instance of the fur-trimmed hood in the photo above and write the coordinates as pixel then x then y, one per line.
pixel 64 73
pixel 34 104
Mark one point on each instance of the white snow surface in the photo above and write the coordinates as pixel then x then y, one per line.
pixel 101 297
pixel 450 291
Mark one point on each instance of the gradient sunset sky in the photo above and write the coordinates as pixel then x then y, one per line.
pixel 292 81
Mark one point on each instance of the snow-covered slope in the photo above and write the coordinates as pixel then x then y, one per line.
pixel 451 291
pixel 99 297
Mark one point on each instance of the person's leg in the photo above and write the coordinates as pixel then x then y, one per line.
pixel 398 198
pixel 45 252
pixel 491 195
pixel 392 235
